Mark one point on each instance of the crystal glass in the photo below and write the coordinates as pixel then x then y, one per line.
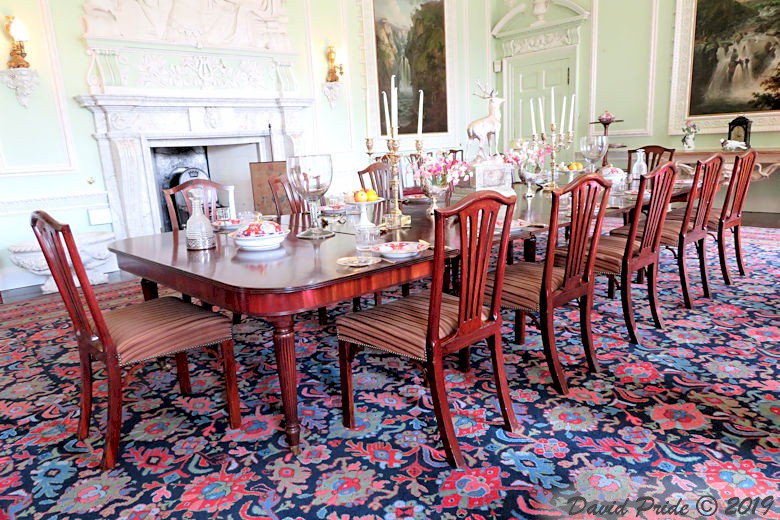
pixel 593 148
pixel 529 177
pixel 435 190
pixel 310 176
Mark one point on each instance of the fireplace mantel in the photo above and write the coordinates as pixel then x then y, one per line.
pixel 129 126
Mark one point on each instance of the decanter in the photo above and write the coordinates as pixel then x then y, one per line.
pixel 639 167
pixel 200 233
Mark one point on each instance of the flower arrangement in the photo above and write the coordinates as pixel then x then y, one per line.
pixel 690 128
pixel 527 155
pixel 441 169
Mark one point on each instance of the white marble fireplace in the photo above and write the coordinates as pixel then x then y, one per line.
pixel 129 126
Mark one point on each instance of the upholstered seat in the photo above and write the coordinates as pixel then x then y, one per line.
pixel 609 256
pixel 149 330
pixel 162 327
pixel 431 325
pixel 523 281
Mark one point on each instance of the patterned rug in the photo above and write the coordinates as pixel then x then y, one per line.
pixel 687 424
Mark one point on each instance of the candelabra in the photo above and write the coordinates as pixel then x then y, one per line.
pixel 558 141
pixel 370 148
pixel 395 217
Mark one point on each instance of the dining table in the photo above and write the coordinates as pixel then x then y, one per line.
pixel 302 275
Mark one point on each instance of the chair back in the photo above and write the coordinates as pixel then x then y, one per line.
pixel 210 191
pixel 738 187
pixel 286 199
pixel 654 155
pixel 473 219
pixel 587 193
pixel 85 314
pixel 706 179
pixel 662 180
pixel 377 177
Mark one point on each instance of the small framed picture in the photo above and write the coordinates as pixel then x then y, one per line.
pixel 739 130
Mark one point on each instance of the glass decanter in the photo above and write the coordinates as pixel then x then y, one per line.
pixel 200 232
pixel 639 167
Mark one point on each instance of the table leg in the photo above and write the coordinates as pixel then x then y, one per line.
pixel 284 349
pixel 149 289
pixel 529 249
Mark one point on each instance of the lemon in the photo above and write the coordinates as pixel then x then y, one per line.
pixel 371 195
pixel 361 196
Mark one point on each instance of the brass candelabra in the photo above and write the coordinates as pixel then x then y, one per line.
pixel 557 141
pixel 395 218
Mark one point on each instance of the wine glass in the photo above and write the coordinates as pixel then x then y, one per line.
pixel 310 176
pixel 593 148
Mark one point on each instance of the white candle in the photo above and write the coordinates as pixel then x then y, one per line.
pixel 533 116
pixel 368 114
pixel 552 106
pixel 541 113
pixel 563 114
pixel 420 116
pixel 387 113
pixel 394 105
pixel 571 113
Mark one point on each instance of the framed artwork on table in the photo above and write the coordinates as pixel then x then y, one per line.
pixel 410 41
pixel 725 64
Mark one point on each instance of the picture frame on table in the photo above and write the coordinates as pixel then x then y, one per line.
pixel 719 75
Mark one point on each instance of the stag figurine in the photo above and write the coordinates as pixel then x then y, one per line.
pixel 486 129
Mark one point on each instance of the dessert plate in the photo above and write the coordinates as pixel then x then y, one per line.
pixel 358 261
pixel 398 250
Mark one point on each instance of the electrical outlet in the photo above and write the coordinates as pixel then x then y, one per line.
pixel 99 216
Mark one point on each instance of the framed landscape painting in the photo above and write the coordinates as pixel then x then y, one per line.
pixel 726 63
pixel 410 41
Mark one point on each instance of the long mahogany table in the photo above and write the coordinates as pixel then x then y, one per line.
pixel 301 275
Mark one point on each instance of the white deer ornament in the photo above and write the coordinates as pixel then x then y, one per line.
pixel 486 129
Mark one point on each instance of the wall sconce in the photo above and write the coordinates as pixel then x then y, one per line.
pixel 19 76
pixel 332 87
pixel 18 33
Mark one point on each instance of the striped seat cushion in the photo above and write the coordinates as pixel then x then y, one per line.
pixel 712 222
pixel 163 326
pixel 609 255
pixel 670 234
pixel 399 326
pixel 523 285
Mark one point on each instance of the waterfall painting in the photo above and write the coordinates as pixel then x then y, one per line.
pixel 410 44
pixel 726 62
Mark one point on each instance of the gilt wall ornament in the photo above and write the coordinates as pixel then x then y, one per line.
pixel 258 25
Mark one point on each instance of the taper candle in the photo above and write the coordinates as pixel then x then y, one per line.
pixel 563 115
pixel 394 105
pixel 387 114
pixel 571 113
pixel 552 106
pixel 420 116
pixel 533 116
pixel 541 114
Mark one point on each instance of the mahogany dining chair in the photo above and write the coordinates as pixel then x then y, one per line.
pixel 730 215
pixel 654 156
pixel 125 336
pixel 376 176
pixel 542 287
pixel 622 255
pixel 210 191
pixel 429 325
pixel 689 224
pixel 286 199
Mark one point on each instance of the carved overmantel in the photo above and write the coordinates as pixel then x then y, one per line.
pixel 128 127
pixel 519 35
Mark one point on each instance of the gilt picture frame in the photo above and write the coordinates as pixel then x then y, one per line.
pixel 430 72
pixel 689 79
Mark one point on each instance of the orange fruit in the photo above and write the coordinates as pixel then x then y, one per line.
pixel 361 196
pixel 371 195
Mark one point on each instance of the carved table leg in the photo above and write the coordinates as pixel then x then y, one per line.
pixel 529 249
pixel 284 348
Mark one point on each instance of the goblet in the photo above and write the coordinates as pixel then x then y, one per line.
pixel 593 148
pixel 310 176
pixel 529 177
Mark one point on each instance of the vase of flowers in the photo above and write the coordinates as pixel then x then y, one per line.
pixel 689 135
pixel 438 174
pixel 528 158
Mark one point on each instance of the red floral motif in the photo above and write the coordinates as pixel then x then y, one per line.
pixel 471 488
pixel 683 416
pixel 738 478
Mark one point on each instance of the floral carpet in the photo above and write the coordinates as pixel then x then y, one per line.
pixel 686 425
